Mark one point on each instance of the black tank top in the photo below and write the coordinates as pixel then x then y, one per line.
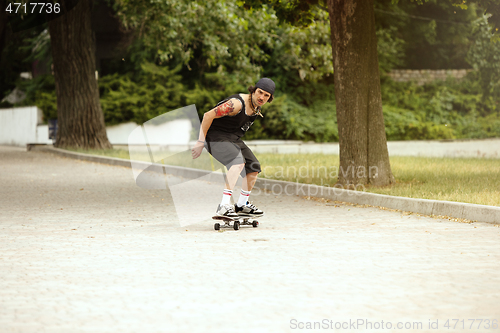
pixel 235 125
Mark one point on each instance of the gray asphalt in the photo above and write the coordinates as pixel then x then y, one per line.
pixel 84 249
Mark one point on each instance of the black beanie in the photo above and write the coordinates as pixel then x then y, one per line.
pixel 266 84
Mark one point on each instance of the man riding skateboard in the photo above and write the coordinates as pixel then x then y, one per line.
pixel 221 131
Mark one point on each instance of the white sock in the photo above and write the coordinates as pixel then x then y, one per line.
pixel 243 198
pixel 226 197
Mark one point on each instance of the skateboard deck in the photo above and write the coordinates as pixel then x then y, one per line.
pixel 235 223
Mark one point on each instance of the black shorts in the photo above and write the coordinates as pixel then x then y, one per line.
pixel 230 150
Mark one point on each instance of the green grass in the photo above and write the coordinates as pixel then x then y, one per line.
pixel 471 180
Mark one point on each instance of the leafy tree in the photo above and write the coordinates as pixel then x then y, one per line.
pixel 253 43
pixel 41 91
pixel 80 118
pixel 357 81
pixel 208 37
pixel 154 91
pixel 437 34
pixel 362 138
pixel 304 51
pixel 15 50
pixel 484 56
pixel 490 8
pixel 390 49
pixel 81 122
pixel 301 65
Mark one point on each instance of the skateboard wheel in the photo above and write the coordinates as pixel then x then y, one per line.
pixel 255 224
pixel 236 225
pixel 217 226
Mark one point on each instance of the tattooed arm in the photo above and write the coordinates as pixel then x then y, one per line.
pixel 231 107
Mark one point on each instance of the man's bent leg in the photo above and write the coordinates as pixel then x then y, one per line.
pixel 249 181
pixel 225 208
pixel 232 175
pixel 243 207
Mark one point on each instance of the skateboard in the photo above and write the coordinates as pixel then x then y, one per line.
pixel 235 223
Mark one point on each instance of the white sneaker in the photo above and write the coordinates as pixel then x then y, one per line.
pixel 226 211
pixel 248 210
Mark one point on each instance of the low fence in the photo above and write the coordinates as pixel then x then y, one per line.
pixel 422 76
pixel 20 126
pixel 24 125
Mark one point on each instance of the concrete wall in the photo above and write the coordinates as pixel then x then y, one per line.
pixel 483 148
pixel 176 132
pixel 20 126
pixel 423 76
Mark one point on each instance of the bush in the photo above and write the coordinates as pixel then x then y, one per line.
pixel 441 110
pixel 288 120
pixel 402 124
pixel 41 92
pixel 476 127
pixel 150 93
pixel 484 56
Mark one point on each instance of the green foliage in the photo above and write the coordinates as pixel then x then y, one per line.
pixel 390 49
pixel 477 127
pixel 16 55
pixel 492 9
pixel 490 125
pixel 296 12
pixel 436 34
pixel 222 45
pixel 402 124
pixel 304 53
pixel 206 36
pixel 21 51
pixel 484 56
pixel 40 91
pixel 286 119
pixel 199 52
pixel 38 48
pixel 153 91
pixel 224 49
pixel 441 110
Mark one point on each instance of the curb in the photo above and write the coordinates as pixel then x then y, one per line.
pixel 473 212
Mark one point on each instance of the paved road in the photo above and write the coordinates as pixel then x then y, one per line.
pixel 83 249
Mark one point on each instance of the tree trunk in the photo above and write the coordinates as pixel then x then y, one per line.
pixel 3 25
pixel 364 158
pixel 79 113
